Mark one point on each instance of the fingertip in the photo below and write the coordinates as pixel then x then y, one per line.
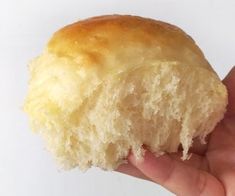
pixel 131 157
pixel 129 169
pixel 229 76
pixel 229 82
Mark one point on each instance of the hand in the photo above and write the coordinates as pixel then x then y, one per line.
pixel 211 169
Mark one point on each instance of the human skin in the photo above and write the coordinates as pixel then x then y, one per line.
pixel 211 169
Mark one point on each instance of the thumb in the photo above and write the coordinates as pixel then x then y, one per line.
pixel 229 82
pixel 178 177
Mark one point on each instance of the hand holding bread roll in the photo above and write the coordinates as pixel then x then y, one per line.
pixel 111 84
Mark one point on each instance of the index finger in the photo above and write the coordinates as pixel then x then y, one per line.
pixel 178 177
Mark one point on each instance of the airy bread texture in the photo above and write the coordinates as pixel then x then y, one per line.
pixel 111 84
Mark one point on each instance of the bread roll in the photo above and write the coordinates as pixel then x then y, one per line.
pixel 111 84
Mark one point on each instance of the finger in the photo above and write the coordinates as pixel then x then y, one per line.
pixel 229 81
pixel 195 160
pixel 130 170
pixel 178 177
pixel 198 147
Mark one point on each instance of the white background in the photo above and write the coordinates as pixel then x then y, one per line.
pixel 26 168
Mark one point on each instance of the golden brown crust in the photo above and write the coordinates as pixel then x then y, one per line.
pixel 95 40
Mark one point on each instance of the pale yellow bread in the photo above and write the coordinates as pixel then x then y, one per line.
pixel 111 84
